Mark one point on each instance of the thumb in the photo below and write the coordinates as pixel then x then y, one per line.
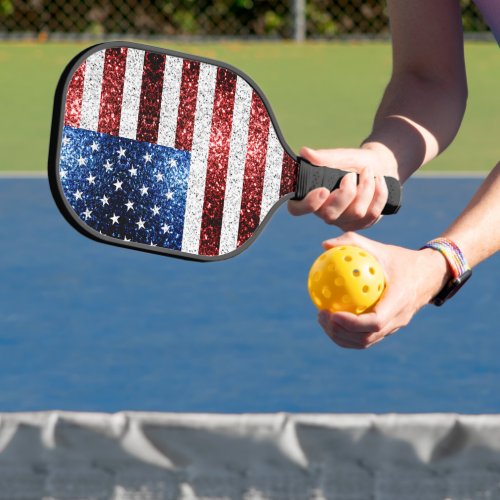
pixel 349 238
pixel 349 158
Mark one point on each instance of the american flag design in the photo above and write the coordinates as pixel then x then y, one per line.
pixel 169 151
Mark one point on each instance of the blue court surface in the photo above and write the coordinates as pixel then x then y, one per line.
pixel 91 327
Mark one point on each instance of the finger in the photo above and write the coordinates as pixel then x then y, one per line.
pixel 338 201
pixel 338 157
pixel 362 324
pixel 348 238
pixel 380 196
pixel 365 191
pixel 311 203
pixel 338 334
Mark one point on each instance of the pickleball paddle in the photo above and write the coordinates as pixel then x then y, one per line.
pixel 171 153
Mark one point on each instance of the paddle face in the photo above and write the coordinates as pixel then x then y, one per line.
pixel 165 152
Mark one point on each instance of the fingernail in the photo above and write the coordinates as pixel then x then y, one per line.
pixel 323 194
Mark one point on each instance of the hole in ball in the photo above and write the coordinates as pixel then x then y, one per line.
pixel 356 273
pixel 348 258
pixel 372 270
pixel 366 289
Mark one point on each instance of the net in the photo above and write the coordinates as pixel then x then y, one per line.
pixel 159 456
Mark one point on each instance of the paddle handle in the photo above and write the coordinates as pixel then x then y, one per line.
pixel 311 177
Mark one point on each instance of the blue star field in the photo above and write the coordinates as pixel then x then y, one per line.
pixel 123 188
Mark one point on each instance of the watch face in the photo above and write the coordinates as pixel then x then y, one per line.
pixel 451 288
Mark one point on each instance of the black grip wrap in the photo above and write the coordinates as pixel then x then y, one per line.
pixel 312 177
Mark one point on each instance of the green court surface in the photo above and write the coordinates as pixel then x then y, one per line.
pixel 323 95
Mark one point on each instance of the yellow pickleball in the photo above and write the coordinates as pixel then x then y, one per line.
pixel 346 278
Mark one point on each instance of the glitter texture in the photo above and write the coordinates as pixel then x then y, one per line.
pixel 253 181
pixel 74 97
pixel 218 156
pixel 199 158
pixel 289 175
pixel 92 85
pixel 131 93
pixel 272 173
pixel 159 106
pixel 236 170
pixel 126 189
pixel 187 105
pixel 170 101
pixel 149 108
pixel 113 79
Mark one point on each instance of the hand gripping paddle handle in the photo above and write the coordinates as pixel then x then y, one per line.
pixel 311 177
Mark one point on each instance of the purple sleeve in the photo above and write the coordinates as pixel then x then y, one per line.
pixel 490 9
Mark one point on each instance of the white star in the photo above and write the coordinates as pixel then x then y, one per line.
pixel 108 166
pixel 140 224
pixel 115 218
pixel 104 200
pixel 121 152
pixel 95 146
pixel 78 194
pixel 82 161
pixel 155 210
pixel 66 140
pixel 159 177
pixel 133 172
pixel 165 228
pixel 169 195
pixel 129 205
pixel 147 157
pixel 125 238
pixel 118 185
pixel 63 173
pixel 144 190
pixel 87 213
pixel 153 244
pixel 173 163
pixel 90 179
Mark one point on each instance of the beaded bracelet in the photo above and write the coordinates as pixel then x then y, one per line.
pixel 452 254
pixel 460 269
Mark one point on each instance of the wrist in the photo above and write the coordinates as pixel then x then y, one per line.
pixel 437 274
pixel 386 156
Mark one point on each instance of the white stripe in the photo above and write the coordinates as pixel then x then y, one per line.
pixel 272 174
pixel 131 93
pixel 170 102
pixel 236 167
pixel 199 157
pixel 91 99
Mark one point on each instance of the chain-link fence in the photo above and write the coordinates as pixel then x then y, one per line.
pixel 206 18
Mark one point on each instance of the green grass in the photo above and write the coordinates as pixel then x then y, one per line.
pixel 323 95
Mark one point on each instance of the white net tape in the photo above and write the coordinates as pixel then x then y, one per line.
pixel 160 456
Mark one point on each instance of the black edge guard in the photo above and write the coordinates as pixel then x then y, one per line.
pixel 312 177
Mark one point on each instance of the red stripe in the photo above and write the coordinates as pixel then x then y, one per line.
pixel 289 175
pixel 187 104
pixel 149 107
pixel 253 181
pixel 74 98
pixel 113 78
pixel 218 157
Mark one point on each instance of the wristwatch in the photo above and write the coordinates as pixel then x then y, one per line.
pixel 460 270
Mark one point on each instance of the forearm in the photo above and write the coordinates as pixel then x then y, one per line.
pixel 477 230
pixel 416 120
pixel 424 103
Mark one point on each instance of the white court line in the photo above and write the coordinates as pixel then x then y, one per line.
pixel 454 174
pixel 466 174
pixel 12 174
